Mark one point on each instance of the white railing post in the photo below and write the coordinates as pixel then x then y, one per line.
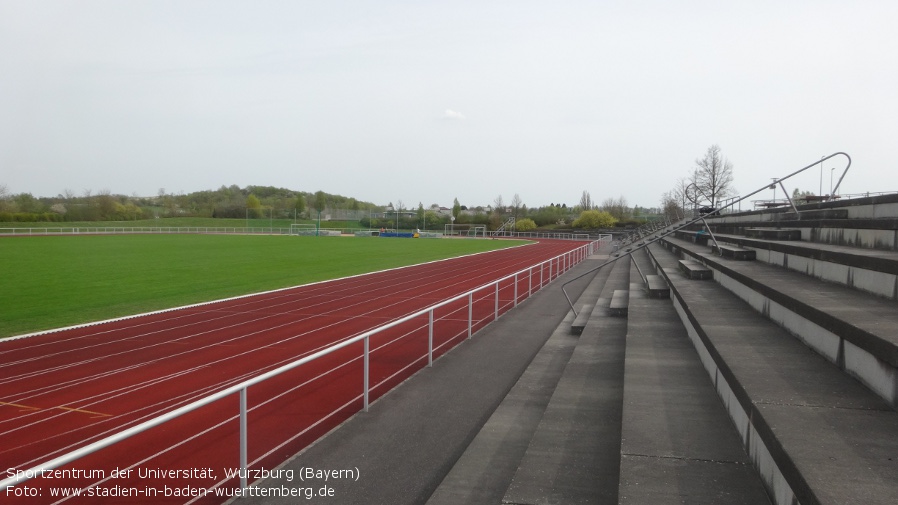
pixel 430 340
pixel 516 289
pixel 243 444
pixel 497 301
pixel 366 372
pixel 529 282
pixel 470 313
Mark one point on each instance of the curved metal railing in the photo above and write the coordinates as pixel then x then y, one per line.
pixel 702 218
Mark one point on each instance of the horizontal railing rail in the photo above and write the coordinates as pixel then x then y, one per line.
pixel 137 230
pixel 555 266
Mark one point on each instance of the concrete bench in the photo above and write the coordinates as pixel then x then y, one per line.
pixel 695 270
pixel 581 319
pixel 657 287
pixel 734 252
pixel 620 302
pixel 774 233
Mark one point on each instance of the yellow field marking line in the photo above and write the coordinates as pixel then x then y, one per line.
pixel 82 411
pixel 19 406
pixel 70 409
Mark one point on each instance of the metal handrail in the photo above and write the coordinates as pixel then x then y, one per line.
pixel 695 220
pixel 650 227
pixel 569 259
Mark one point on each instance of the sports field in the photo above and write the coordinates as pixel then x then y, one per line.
pixel 51 282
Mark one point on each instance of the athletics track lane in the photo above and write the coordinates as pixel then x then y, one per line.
pixel 62 390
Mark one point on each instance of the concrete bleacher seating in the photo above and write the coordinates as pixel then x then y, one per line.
pixel 774 233
pixel 734 252
pixel 695 270
pixel 692 236
pixel 656 287
pixel 777 382
pixel 620 301
pixel 677 442
pixel 796 412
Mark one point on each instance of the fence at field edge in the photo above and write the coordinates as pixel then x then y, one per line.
pixel 231 230
pixel 548 271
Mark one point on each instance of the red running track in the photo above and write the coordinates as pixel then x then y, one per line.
pixel 61 391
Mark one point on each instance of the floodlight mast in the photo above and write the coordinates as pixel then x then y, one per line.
pixel 701 218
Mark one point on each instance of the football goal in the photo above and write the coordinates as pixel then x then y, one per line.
pixel 303 229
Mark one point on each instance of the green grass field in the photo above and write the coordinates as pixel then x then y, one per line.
pixel 50 282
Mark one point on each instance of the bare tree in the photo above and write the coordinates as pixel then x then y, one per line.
pixel 516 206
pixel 670 206
pixel 616 207
pixel 714 175
pixel 586 201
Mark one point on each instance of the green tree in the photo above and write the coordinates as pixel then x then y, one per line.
pixel 320 201
pixel 420 214
pixel 300 203
pixel 253 206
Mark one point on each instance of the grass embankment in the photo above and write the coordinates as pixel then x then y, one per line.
pixel 176 222
pixel 51 282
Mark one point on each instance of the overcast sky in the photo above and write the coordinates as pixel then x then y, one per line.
pixel 421 101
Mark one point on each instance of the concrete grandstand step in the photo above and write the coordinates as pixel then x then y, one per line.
pixel 774 233
pixel 734 252
pixel 677 443
pixel 695 270
pixel 587 301
pixel 856 331
pixel 815 434
pixel 484 470
pixel 573 456
pixel 693 236
pixel 656 287
pixel 870 222
pixel 871 270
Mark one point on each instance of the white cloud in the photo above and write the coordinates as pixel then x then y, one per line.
pixel 451 114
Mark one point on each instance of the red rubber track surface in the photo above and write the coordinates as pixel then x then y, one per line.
pixel 60 391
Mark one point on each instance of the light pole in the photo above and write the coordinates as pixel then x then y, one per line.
pixel 831 170
pixel 821 175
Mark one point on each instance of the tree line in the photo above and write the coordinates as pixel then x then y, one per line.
pixel 225 202
pixel 253 202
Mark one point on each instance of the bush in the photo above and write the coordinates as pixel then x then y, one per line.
pixel 525 224
pixel 592 219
